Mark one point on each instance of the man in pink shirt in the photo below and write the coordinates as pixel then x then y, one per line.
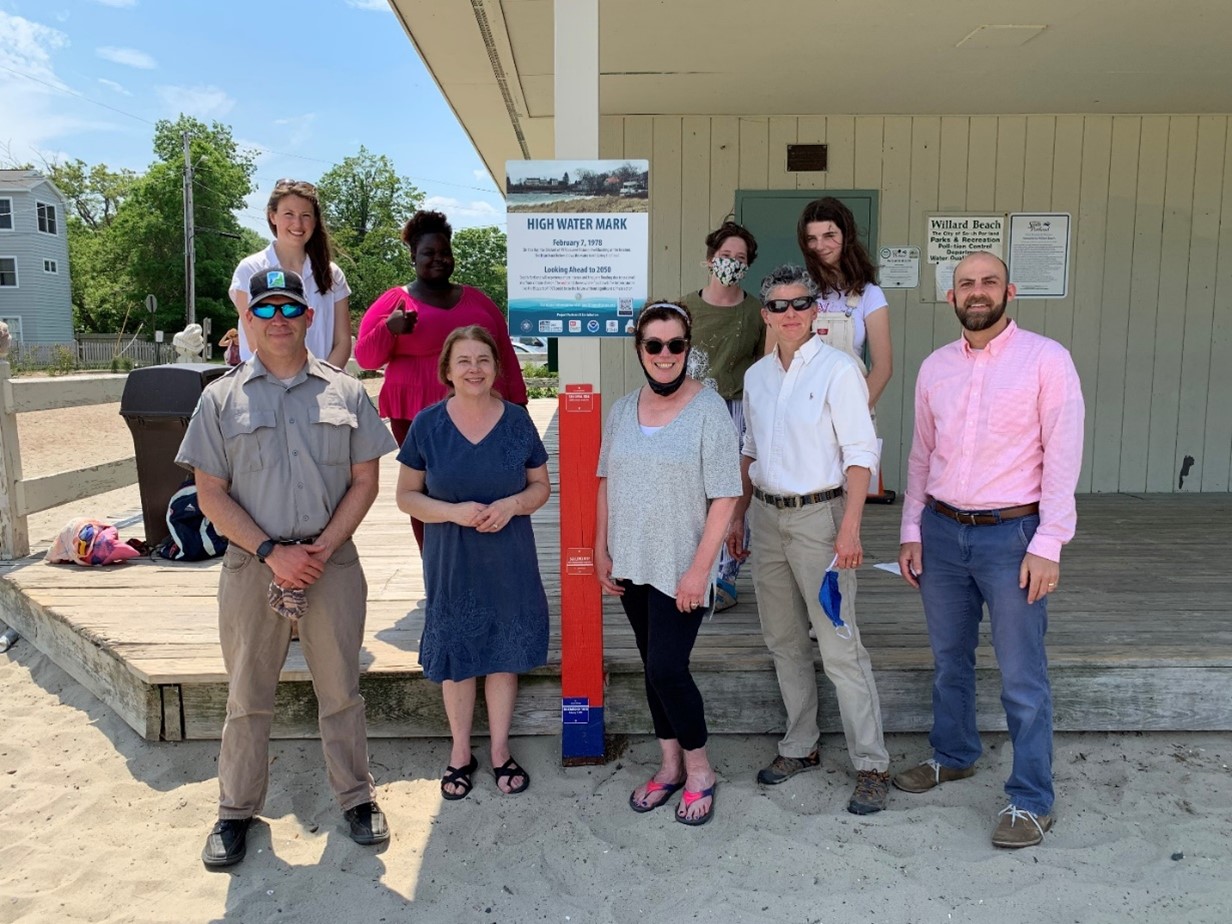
pixel 990 503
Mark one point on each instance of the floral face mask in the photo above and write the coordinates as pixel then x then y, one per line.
pixel 727 270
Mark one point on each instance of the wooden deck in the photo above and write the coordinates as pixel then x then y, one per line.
pixel 1140 634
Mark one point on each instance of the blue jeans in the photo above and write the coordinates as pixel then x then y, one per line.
pixel 964 568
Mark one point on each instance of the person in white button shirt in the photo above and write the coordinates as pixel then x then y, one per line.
pixel 808 434
pixel 301 244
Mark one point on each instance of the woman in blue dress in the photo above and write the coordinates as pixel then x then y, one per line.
pixel 473 470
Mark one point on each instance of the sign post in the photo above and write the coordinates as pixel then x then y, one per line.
pixel 581 604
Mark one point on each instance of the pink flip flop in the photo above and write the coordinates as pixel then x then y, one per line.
pixel 652 787
pixel 689 798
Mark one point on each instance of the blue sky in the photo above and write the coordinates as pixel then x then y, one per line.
pixel 304 82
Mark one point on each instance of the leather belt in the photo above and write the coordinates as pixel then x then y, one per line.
pixel 983 517
pixel 796 500
pixel 309 540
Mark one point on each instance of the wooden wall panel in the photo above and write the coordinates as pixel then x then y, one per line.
pixel 1149 314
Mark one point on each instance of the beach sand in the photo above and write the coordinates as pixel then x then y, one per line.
pixel 99 825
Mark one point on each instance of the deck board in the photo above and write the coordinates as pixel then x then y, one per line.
pixel 1140 633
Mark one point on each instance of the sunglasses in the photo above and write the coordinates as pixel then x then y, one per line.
pixel 289 310
pixel 675 346
pixel 779 305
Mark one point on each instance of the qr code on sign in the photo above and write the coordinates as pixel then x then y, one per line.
pixel 624 307
pixel 624 303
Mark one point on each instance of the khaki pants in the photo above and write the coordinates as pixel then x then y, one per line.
pixel 254 647
pixel 791 549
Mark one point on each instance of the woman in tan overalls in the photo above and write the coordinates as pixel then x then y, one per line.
pixel 851 307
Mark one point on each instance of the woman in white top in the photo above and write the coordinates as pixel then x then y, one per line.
pixel 301 244
pixel 851 307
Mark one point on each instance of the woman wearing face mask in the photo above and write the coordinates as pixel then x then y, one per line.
pixel 301 244
pixel 728 337
pixel 851 308
pixel 406 327
pixel 658 551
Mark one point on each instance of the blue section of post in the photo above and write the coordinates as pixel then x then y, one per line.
pixel 582 736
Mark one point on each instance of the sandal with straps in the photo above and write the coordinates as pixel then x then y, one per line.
pixel 689 798
pixel 653 786
pixel 508 770
pixel 458 776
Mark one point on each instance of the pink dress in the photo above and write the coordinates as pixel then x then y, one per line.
pixel 411 382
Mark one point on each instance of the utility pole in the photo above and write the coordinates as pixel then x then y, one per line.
pixel 190 240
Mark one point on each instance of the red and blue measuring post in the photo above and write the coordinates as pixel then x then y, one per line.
pixel 580 430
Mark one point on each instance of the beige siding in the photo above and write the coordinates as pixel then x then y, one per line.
pixel 1149 316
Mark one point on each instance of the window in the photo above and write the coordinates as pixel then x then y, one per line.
pixel 47 218
pixel 8 272
pixel 50 266
pixel 6 214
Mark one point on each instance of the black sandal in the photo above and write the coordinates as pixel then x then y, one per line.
pixel 508 770
pixel 458 776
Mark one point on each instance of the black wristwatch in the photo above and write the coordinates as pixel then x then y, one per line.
pixel 265 549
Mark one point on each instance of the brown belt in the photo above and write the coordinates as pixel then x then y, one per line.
pixel 796 500
pixel 983 517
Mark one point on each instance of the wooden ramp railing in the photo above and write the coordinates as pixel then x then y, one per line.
pixel 20 497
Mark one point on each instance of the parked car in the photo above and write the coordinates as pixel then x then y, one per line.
pixel 529 355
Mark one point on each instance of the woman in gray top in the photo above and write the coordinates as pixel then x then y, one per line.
pixel 658 549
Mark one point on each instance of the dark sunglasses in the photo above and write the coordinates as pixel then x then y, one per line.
pixel 779 305
pixel 289 310
pixel 675 346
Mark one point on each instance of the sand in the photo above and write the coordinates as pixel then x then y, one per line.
pixel 100 825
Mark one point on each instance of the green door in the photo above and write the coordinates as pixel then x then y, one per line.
pixel 771 214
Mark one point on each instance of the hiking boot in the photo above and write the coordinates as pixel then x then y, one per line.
pixel 783 768
pixel 872 790
pixel 1019 828
pixel 930 774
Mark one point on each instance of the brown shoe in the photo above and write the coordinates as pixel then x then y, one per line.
pixel 782 768
pixel 928 775
pixel 1020 828
pixel 872 791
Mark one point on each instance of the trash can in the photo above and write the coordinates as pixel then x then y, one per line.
pixel 157 403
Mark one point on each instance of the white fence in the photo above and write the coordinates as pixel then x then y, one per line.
pixel 20 497
pixel 89 354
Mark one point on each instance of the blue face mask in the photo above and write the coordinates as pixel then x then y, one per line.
pixel 831 600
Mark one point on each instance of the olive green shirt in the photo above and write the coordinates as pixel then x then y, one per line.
pixel 726 341
pixel 286 450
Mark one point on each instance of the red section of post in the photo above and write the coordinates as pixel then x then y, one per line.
pixel 579 425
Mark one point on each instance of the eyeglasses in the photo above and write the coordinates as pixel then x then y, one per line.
pixel 291 181
pixel 289 310
pixel 675 346
pixel 779 305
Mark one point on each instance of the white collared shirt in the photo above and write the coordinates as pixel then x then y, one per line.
pixel 806 425
pixel 320 337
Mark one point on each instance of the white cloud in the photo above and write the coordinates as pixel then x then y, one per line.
pixel 129 57
pixel 300 126
pixel 471 214
pixel 114 87
pixel 202 102
pixel 376 6
pixel 36 109
pixel 117 4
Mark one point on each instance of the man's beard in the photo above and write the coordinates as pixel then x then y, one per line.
pixel 977 322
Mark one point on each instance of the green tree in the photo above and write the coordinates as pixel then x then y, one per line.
pixel 480 260
pixel 365 203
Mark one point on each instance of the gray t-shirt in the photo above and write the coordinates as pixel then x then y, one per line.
pixel 659 487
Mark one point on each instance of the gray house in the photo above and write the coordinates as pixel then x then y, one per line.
pixel 35 300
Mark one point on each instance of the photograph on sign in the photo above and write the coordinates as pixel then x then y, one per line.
pixel 1039 254
pixel 898 266
pixel 578 246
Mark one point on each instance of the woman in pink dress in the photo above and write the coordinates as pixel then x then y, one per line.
pixel 405 329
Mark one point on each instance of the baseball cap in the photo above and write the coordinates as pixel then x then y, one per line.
pixel 265 284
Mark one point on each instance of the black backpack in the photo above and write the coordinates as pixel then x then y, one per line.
pixel 193 537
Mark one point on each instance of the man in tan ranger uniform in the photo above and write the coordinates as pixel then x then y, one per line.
pixel 286 449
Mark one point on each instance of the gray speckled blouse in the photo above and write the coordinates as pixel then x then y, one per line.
pixel 659 486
